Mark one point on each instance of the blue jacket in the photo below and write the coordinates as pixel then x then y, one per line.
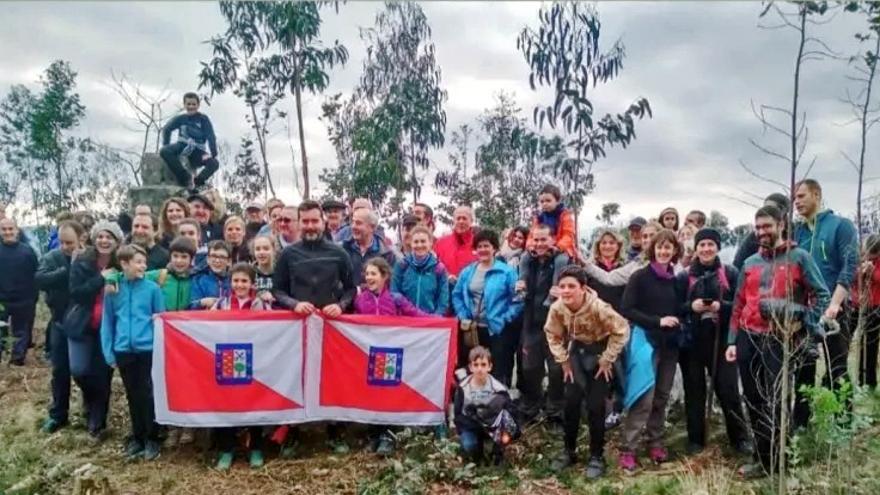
pixel 638 357
pixel 425 285
pixel 834 245
pixel 499 301
pixel 207 284
pixel 127 321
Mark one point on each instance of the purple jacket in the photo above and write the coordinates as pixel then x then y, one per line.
pixel 386 303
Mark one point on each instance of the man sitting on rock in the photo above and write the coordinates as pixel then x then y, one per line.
pixel 195 140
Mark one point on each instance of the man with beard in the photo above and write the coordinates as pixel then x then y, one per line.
pixel 202 208
pixel 143 235
pixel 314 275
pixel 780 282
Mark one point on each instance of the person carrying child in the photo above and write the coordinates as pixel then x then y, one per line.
pixel 482 410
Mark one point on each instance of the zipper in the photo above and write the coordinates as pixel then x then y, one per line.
pixel 130 335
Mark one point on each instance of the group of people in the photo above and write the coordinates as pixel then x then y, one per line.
pixel 606 328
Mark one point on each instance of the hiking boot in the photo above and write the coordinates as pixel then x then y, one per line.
pixel 751 471
pixel 565 460
pixel 627 462
pixel 386 445
pixel 51 426
pixel 151 450
pixel 498 459
pixel 595 468
pixel 744 447
pixel 187 436
pixel 224 462
pixel 133 449
pixel 172 439
pixel 256 459
pixel 658 455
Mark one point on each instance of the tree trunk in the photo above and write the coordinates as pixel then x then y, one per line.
pixel 297 93
pixel 261 140
pixel 412 165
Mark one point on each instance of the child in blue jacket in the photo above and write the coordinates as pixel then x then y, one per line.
pixel 212 283
pixel 127 344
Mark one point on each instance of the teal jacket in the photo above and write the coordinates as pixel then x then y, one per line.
pixel 425 284
pixel 127 322
pixel 499 296
pixel 834 244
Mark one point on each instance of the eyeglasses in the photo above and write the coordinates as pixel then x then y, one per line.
pixel 218 256
pixel 284 220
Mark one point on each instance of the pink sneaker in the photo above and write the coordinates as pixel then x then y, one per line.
pixel 659 454
pixel 627 461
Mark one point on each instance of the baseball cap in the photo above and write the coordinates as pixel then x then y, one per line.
pixel 637 223
pixel 201 197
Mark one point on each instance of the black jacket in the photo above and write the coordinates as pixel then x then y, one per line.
pixel 646 299
pixel 700 282
pixel 318 272
pixel 86 281
pixel 18 265
pixel 748 247
pixel 157 257
pixel 197 126
pixel 539 275
pixel 53 278
pixel 612 294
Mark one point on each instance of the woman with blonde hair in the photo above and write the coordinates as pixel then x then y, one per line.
pixel 233 234
pixel 172 212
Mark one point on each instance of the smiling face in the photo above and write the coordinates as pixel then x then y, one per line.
pixel 463 220
pixel 180 261
pixel 254 215
pixel 135 267
pixel 174 213
pixel 8 231
pixel 142 231
pixel 200 211
pixel 421 244
pixel 542 241
pixel 234 233
pixel 264 252
pixel 311 224
pixel 361 227
pixel 664 251
pixel 707 251
pixel 571 292
pixel 105 243
pixel 68 240
pixel 485 252
pixel 608 247
pixel 288 223
pixel 218 260
pixel 374 278
pixel 191 105
pixel 334 218
pixel 767 230
pixel 241 285
pixel 648 233
pixel 189 231
pixel 516 240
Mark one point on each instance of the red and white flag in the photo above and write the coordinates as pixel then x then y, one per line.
pixel 228 368
pixel 238 368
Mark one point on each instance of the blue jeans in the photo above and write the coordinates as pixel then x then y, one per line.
pixel 93 376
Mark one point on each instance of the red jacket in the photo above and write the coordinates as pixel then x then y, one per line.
pixel 456 251
pixel 873 281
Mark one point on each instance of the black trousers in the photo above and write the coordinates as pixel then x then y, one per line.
pixel 759 357
pixel 538 362
pixel 60 385
pixel 135 370
pixel 584 363
pixel 226 438
pixel 171 154
pixel 870 346
pixel 92 375
pixel 21 314
pixel 836 352
pixel 502 347
pixel 706 352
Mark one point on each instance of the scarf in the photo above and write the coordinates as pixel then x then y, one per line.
pixel 414 261
pixel 663 271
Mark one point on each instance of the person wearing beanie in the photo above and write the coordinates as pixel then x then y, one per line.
pixel 709 287
pixel 749 245
pixel 83 320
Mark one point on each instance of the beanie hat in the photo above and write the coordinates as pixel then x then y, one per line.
pixel 710 234
pixel 110 227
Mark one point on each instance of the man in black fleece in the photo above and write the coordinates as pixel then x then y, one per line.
pixel 18 291
pixel 195 140
pixel 314 275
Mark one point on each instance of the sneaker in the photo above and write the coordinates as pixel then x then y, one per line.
pixel 386 445
pixel 224 462
pixel 338 446
pixel 133 449
pixel 441 432
pixel 288 451
pixel 172 439
pixel 51 426
pixel 658 454
pixel 256 459
pixel 187 436
pixel 613 420
pixel 565 460
pixel 98 435
pixel 627 461
pixel 595 468
pixel 151 450
pixel 694 448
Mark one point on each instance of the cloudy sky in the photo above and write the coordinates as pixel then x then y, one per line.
pixel 700 64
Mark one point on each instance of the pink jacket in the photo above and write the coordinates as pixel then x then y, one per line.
pixel 386 303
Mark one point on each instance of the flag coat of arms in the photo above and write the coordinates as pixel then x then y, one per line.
pixel 380 369
pixel 229 368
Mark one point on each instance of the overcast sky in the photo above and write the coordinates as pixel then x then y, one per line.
pixel 700 64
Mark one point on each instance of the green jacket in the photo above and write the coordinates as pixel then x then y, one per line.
pixel 175 286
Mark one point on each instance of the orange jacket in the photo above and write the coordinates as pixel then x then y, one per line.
pixel 566 233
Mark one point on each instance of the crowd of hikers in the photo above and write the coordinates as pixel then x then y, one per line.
pixel 547 330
